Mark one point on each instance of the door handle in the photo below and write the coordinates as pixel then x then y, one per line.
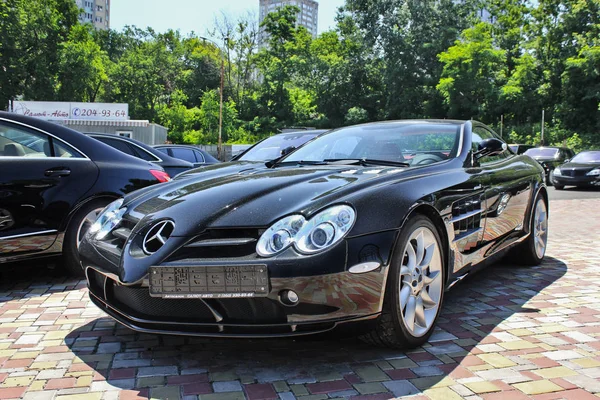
pixel 58 172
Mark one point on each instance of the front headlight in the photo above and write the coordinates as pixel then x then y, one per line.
pixel 557 171
pixel 108 219
pixel 308 236
pixel 594 172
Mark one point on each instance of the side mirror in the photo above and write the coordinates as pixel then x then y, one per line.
pixel 566 160
pixel 490 147
pixel 287 150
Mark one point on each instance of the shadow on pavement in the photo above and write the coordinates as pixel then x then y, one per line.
pixel 473 310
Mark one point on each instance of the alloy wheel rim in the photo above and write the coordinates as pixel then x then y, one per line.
pixel 540 228
pixel 86 224
pixel 421 282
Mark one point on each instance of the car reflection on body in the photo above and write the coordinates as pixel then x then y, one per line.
pixel 583 170
pixel 350 228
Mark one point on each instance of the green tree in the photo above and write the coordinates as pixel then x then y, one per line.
pixel 473 74
pixel 82 67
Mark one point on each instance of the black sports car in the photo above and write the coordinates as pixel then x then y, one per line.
pixel 53 183
pixel 171 165
pixel 278 145
pixel 369 223
pixel 583 170
pixel 550 158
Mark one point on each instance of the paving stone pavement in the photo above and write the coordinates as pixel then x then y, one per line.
pixel 506 333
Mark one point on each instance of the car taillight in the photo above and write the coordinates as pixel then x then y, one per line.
pixel 160 176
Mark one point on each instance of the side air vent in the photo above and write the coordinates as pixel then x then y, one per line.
pixel 466 215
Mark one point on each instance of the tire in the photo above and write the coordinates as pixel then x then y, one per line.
pixel 80 222
pixel 422 287
pixel 532 251
pixel 559 187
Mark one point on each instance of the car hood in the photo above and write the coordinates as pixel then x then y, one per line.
pixel 247 194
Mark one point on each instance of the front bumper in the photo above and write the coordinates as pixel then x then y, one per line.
pixel 577 180
pixel 325 302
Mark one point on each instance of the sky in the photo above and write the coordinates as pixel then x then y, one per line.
pixel 195 15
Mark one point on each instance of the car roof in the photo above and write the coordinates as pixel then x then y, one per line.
pixel 92 148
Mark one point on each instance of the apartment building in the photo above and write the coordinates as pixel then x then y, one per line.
pixel 308 16
pixel 95 12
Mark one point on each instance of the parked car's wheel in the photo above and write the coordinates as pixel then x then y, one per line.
pixel 78 226
pixel 533 249
pixel 415 288
pixel 559 187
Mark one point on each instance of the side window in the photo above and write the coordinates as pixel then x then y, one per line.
pixel 61 150
pixel 119 145
pixel 163 150
pixel 199 157
pixel 23 142
pixel 143 154
pixel 480 134
pixel 184 154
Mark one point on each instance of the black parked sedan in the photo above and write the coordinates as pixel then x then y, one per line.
pixel 171 165
pixel 550 158
pixel 364 224
pixel 278 145
pixel 194 155
pixel 583 170
pixel 53 183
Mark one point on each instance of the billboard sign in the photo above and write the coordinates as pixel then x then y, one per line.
pixel 78 111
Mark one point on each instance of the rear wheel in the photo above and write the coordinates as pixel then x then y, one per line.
pixel 559 187
pixel 533 249
pixel 83 219
pixel 415 288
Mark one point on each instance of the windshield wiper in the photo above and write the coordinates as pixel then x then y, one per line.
pixel 365 162
pixel 274 163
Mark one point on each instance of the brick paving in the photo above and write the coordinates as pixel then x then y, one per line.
pixel 506 333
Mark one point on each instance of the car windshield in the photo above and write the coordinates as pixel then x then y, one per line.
pixel 270 148
pixel 541 152
pixel 587 157
pixel 402 142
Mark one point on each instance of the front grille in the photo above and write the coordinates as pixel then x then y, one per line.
pixel 219 244
pixel 574 172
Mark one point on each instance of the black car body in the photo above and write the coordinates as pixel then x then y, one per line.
pixel 311 242
pixel 49 177
pixel 550 158
pixel 520 148
pixel 278 145
pixel 172 166
pixel 583 170
pixel 194 155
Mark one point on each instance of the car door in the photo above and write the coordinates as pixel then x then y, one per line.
pixel 508 189
pixel 41 178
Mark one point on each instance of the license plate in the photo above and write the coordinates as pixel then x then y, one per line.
pixel 209 282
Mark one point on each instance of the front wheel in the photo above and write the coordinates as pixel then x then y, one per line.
pixel 533 249
pixel 559 187
pixel 78 226
pixel 415 289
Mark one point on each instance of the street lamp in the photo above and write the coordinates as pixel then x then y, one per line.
pixel 220 141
